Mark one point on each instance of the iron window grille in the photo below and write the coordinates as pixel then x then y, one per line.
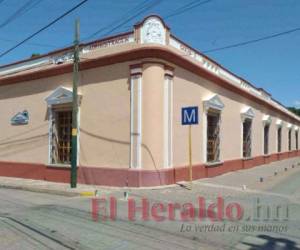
pixel 247 131
pixel 290 139
pixel 296 138
pixel 279 135
pixel 213 136
pixel 266 139
pixel 61 137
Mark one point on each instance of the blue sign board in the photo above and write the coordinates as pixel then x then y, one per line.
pixel 20 118
pixel 189 116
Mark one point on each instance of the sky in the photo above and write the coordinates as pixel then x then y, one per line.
pixel 271 64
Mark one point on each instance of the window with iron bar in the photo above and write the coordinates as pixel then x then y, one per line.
pixel 266 139
pixel 296 138
pixel 213 136
pixel 279 135
pixel 290 139
pixel 247 131
pixel 61 137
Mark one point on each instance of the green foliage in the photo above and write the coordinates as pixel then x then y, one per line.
pixel 35 55
pixel 294 110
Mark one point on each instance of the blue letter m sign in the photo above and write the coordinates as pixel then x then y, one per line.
pixel 189 115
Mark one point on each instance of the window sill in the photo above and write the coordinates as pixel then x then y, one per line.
pixel 248 158
pixel 58 165
pixel 213 164
pixel 267 155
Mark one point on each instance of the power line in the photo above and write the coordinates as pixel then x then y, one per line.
pixel 254 40
pixel 144 6
pixel 141 5
pixel 137 10
pixel 44 28
pixel 132 17
pixel 32 44
pixel 182 9
pixel 21 11
pixel 186 7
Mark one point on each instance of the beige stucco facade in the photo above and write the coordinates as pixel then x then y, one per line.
pixel 130 108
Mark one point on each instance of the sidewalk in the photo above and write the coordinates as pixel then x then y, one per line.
pixel 262 177
pixel 46 187
pixel 242 179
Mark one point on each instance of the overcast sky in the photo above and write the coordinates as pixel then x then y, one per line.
pixel 272 64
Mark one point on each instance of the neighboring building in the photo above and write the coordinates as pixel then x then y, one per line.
pixel 132 89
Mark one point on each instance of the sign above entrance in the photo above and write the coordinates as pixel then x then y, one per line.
pixel 20 118
pixel 189 116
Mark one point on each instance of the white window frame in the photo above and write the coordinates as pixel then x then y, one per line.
pixel 213 102
pixel 279 124
pixel 296 129
pixel 290 130
pixel 267 120
pixel 246 113
pixel 61 95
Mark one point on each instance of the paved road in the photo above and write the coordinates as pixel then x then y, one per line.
pixel 41 221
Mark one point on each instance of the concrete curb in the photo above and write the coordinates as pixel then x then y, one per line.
pixel 42 190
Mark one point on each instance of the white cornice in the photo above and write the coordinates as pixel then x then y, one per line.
pixel 279 123
pixel 60 95
pixel 247 112
pixel 267 119
pixel 213 102
pixel 153 31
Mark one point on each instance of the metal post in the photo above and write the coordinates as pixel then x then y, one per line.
pixel 75 108
pixel 190 156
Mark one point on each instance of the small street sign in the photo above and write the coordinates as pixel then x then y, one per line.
pixel 189 116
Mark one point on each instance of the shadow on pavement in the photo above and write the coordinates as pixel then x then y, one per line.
pixel 273 243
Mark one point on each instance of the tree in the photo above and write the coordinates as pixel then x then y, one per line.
pixel 35 55
pixel 294 110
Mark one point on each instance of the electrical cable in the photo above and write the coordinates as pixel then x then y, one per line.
pixel 253 41
pixel 115 22
pixel 186 7
pixel 44 28
pixel 20 12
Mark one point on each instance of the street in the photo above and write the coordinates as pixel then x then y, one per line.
pixel 32 220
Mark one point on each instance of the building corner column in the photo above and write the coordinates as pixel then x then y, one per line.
pixel 135 116
pixel 168 116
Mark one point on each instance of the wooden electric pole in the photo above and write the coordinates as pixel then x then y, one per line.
pixel 75 108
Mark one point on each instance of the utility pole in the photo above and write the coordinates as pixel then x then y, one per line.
pixel 75 108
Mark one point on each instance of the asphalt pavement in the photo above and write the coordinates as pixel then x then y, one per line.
pixel 270 218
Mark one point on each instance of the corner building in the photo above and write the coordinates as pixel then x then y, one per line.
pixel 132 88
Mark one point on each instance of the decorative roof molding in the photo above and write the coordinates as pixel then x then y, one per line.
pixel 60 95
pixel 267 119
pixel 247 113
pixel 213 102
pixel 153 30
pixel 279 123
pixel 159 33
pixel 264 93
pixel 136 69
